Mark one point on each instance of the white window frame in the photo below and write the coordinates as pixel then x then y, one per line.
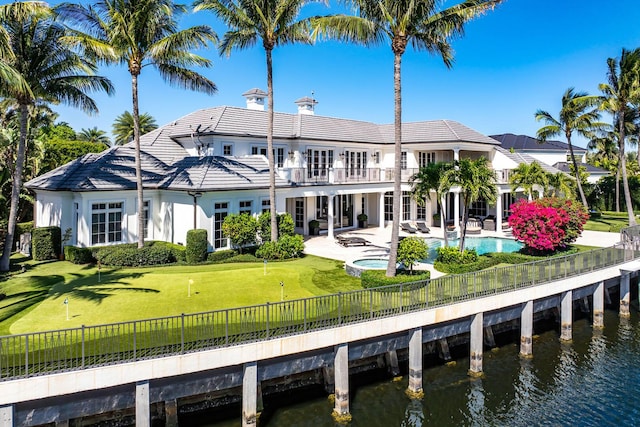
pixel 107 210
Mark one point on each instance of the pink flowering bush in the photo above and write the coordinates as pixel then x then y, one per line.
pixel 547 224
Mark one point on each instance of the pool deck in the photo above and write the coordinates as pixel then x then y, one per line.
pixel 380 239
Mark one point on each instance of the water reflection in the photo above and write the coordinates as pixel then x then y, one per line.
pixel 475 402
pixel 413 415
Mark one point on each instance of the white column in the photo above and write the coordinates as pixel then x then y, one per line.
pixel 341 369
pixel 330 217
pixel 381 211
pixel 415 362
pixel 456 154
pixel 249 394
pixel 625 295
pixel 526 330
pixel 6 416
pixel 143 415
pixel 598 306
pixel 499 212
pixel 566 315
pixel 475 355
pixel 456 209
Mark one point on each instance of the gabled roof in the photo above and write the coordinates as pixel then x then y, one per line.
pixel 525 158
pixel 167 165
pixel 114 169
pixel 527 143
pixel 565 167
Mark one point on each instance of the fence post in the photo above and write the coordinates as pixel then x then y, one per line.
pixel 83 346
pixel 305 314
pixel 268 319
pixel 134 341
pixel 339 308
pixel 182 333
pixel 26 356
pixel 370 303
pixel 401 296
pixel 226 327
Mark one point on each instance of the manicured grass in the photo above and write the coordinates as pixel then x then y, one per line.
pixel 608 221
pixel 35 299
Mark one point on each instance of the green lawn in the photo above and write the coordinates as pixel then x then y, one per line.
pixel 35 299
pixel 608 221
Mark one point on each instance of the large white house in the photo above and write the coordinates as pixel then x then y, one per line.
pixel 212 162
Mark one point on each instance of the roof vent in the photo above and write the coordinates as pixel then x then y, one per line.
pixel 255 99
pixel 306 105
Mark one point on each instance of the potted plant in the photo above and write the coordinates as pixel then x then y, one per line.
pixel 314 227
pixel 362 220
pixel 436 220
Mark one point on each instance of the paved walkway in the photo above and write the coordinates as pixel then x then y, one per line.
pixel 380 238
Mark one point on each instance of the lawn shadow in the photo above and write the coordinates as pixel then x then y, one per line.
pixel 95 288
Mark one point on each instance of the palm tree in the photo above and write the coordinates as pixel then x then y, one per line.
pixel 402 22
pixel 52 71
pixel 429 179
pixel 560 183
pixel 620 90
pixel 140 34
pixel 123 127
pixel 477 181
pixel 94 135
pixel 274 23
pixel 526 176
pixel 606 156
pixel 579 113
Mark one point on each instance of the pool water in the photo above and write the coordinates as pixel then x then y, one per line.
pixel 482 245
pixel 373 263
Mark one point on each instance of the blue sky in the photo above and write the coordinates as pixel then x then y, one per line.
pixel 519 58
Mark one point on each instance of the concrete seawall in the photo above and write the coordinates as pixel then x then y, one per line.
pixel 158 383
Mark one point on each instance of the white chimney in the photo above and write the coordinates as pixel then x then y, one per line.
pixel 306 105
pixel 255 99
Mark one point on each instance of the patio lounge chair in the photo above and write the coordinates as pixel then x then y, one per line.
pixel 408 228
pixel 473 226
pixel 352 241
pixel 422 227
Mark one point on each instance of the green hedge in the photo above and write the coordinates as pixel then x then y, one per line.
pixel 78 255
pixel 45 243
pixel 221 256
pixel 286 247
pixel 377 278
pixel 128 254
pixel 197 246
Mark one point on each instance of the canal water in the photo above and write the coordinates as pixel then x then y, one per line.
pixel 592 381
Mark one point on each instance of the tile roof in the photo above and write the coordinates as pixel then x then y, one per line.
pixel 527 143
pixel 564 167
pixel 166 164
pixel 525 158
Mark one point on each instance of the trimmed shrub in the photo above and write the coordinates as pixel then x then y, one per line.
pixel 78 255
pixel 197 246
pixel 221 256
pixel 286 226
pixel 45 243
pixel 452 255
pixel 411 250
pixel 128 255
pixel 286 247
pixel 178 251
pixel 241 229
pixel 242 258
pixel 456 268
pixel 377 278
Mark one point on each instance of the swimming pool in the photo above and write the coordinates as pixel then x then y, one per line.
pixel 482 245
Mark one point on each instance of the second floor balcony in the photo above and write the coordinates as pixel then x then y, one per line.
pixel 342 175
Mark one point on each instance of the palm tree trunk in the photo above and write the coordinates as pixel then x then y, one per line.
pixel 618 190
pixel 397 189
pixel 15 189
pixel 623 167
pixel 443 214
pixel 463 226
pixel 577 173
pixel 272 168
pixel 136 139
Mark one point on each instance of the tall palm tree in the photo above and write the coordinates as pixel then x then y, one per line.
pixel 561 183
pixel 124 124
pixel 621 89
pixel 94 135
pixel 143 33
pixel 606 156
pixel 402 22
pixel 428 179
pixel 526 176
pixel 53 72
pixel 477 181
pixel 579 114
pixel 274 23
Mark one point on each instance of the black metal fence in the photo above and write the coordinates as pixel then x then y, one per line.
pixel 43 353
